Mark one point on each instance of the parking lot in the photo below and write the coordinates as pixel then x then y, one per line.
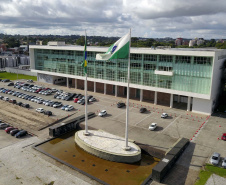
pixel 203 131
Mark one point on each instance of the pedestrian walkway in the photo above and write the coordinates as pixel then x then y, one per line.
pixel 216 180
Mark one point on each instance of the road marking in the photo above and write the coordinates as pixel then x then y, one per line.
pixel 170 124
pixel 142 120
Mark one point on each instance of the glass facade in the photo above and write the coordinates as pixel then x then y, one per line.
pixel 190 73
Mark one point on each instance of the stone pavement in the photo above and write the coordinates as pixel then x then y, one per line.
pixel 216 180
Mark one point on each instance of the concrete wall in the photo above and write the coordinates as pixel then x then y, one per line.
pixel 45 78
pixel 202 106
pixel 216 79
pixel 20 71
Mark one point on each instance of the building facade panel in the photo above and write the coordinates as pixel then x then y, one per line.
pixel 176 71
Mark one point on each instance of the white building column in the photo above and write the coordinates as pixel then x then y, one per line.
pixel 67 83
pixel 178 98
pixel 105 89
pixel 171 101
pixel 116 91
pixel 156 97
pixel 189 104
pixel 95 87
pixel 76 84
pixel 141 95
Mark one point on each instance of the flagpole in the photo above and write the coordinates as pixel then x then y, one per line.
pixel 127 147
pixel 86 118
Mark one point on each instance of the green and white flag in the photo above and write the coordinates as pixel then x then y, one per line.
pixel 119 49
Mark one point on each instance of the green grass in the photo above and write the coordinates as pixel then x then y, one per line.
pixel 209 170
pixel 13 76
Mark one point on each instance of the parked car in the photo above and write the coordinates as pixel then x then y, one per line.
pixel 102 113
pixel 215 158
pixel 6 98
pixel 41 110
pixel 49 113
pixel 143 110
pixel 64 107
pixel 224 163
pixel 19 103
pixel 223 137
pixel 6 80
pixel 120 104
pixel 92 99
pixel 13 132
pixel 8 129
pixel 25 105
pixel 3 125
pixel 152 126
pixel 10 84
pixel 70 107
pixel 75 100
pixel 12 101
pixel 164 115
pixel 1 97
pixel 58 104
pixel 21 133
pixel 30 81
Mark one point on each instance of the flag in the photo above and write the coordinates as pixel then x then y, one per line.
pixel 119 49
pixel 84 64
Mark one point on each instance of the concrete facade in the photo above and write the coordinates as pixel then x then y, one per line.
pixel 195 74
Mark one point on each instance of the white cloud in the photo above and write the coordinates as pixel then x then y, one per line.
pixel 147 18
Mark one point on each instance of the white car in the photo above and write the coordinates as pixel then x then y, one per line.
pixel 102 113
pixel 152 126
pixel 70 107
pixel 41 110
pixel 164 115
pixel 6 98
pixel 224 163
pixel 215 158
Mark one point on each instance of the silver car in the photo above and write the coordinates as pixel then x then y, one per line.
pixel 215 158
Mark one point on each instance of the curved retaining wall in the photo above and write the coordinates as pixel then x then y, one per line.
pixel 122 158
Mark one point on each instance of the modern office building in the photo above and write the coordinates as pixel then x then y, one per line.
pixel 167 77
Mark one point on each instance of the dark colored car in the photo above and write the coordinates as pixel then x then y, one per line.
pixel 19 103
pixel 13 132
pixel 1 97
pixel 142 110
pixel 21 133
pixel 76 96
pixel 10 84
pixel 25 105
pixel 49 113
pixel 6 80
pixel 120 105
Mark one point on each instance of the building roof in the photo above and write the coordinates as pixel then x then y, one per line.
pixel 169 51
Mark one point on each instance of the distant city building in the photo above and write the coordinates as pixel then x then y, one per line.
pixel 178 41
pixel 192 42
pixel 200 41
pixel 39 42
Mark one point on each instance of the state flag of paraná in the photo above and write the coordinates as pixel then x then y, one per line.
pixel 118 50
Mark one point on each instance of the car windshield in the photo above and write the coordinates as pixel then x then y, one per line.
pixel 224 161
pixel 215 158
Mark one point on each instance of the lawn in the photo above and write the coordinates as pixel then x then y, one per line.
pixel 13 76
pixel 209 170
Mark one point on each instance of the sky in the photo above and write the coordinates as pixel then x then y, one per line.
pixel 146 18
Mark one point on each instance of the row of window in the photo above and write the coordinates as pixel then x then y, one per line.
pixel 137 57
